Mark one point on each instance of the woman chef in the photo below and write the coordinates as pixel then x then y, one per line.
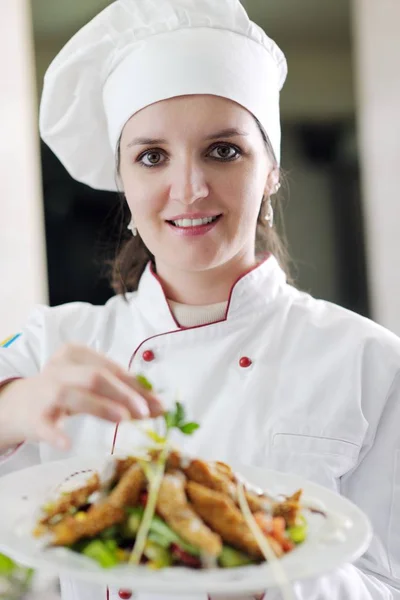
pixel 176 103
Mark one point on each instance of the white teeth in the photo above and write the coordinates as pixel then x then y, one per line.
pixel 193 222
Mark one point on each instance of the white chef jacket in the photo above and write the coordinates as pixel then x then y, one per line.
pixel 321 398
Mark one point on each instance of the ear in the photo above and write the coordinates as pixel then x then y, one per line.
pixel 272 184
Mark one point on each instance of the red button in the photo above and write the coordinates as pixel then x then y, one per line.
pixel 125 594
pixel 245 362
pixel 148 355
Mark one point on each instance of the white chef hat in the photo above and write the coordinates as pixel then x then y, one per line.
pixel 137 52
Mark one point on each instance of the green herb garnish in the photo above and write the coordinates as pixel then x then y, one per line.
pixel 144 382
pixel 176 419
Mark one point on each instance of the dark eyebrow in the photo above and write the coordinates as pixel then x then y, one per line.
pixel 143 141
pixel 224 133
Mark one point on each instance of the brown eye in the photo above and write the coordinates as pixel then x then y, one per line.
pixel 151 158
pixel 225 152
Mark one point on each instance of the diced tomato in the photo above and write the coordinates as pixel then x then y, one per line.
pixel 263 521
pixel 287 545
pixel 144 496
pixel 278 525
pixel 185 558
pixel 275 528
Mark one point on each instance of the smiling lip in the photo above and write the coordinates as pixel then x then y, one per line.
pixel 197 230
pixel 197 215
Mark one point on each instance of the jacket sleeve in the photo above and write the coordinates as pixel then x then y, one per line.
pixel 25 353
pixel 374 486
pixel 20 356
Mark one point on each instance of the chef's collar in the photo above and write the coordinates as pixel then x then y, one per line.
pixel 252 292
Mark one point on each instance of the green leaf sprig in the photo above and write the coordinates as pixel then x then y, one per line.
pixel 176 419
pixel 173 419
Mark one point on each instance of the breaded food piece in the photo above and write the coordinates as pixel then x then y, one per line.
pixel 98 518
pixel 123 464
pixel 225 469
pixel 207 474
pixel 106 513
pixel 73 499
pixel 289 509
pixel 224 517
pixel 217 476
pixel 128 488
pixel 173 506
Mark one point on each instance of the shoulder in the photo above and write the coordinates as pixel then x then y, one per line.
pixel 340 329
pixel 75 321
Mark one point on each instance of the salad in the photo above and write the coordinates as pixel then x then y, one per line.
pixel 15 579
pixel 163 509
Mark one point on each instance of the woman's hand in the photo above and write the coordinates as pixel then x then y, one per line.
pixel 76 380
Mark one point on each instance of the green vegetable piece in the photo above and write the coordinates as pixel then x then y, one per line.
pixel 161 529
pixel 131 526
pixel 230 558
pixel 189 428
pixel 144 382
pixel 297 533
pixel 159 539
pixel 110 533
pixel 101 553
pixel 7 565
pixel 111 545
pixel 158 555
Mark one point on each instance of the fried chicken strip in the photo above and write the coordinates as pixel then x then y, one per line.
pixel 217 476
pixel 73 499
pixel 224 517
pixel 289 508
pixel 106 513
pixel 173 506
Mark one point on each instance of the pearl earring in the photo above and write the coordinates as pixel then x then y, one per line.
pixel 269 217
pixel 132 227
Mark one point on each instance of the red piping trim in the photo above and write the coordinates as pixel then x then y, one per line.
pixel 153 337
pixel 115 438
pixel 9 453
pixel 156 277
pixel 267 256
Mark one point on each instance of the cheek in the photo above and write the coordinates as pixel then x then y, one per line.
pixel 142 202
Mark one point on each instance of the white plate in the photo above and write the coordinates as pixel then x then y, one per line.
pixel 342 538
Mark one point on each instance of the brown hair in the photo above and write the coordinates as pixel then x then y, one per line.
pixel 132 255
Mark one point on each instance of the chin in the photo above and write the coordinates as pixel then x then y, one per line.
pixel 196 264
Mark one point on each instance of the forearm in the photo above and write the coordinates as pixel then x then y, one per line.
pixel 9 437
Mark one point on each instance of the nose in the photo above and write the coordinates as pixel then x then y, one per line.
pixel 188 183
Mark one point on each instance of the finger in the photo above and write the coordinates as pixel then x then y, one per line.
pixel 83 402
pixel 48 431
pixel 155 405
pixel 83 356
pixel 101 383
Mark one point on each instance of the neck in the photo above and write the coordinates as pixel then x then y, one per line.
pixel 202 287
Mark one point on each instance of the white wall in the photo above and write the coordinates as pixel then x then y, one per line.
pixel 377 61
pixel 23 278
